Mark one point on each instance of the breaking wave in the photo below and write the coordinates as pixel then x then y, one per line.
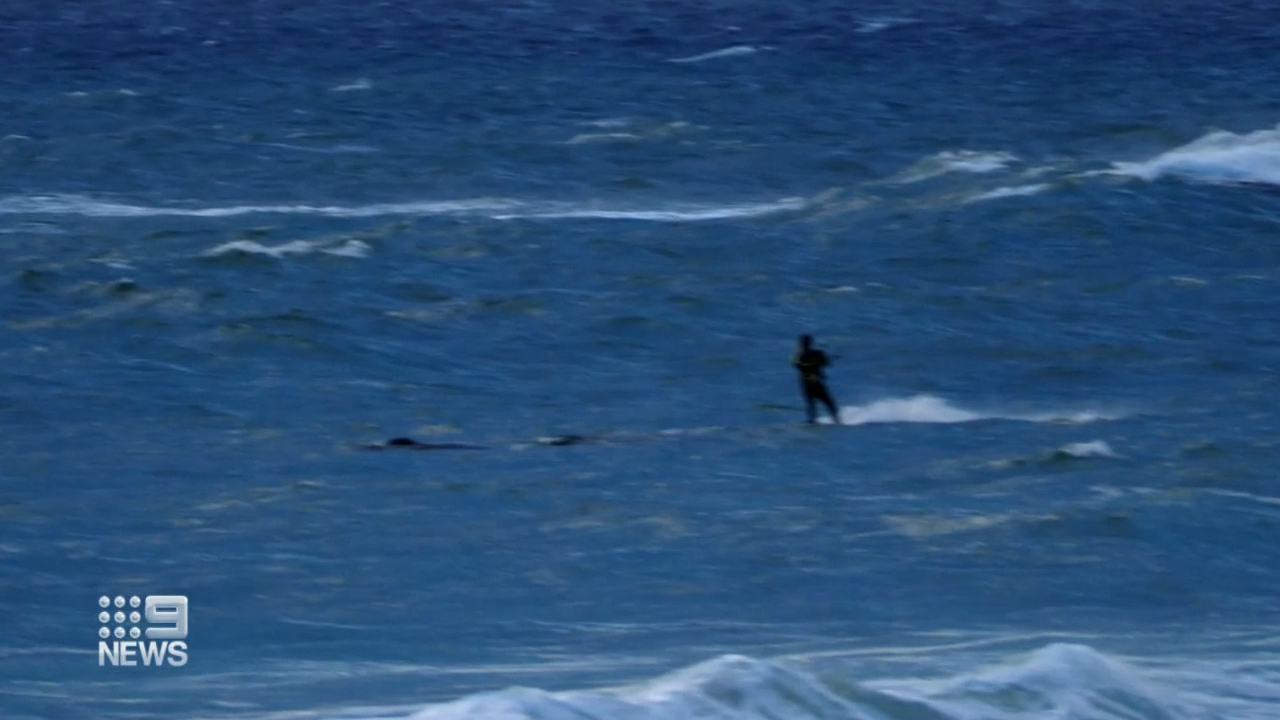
pixel 1060 680
pixel 1219 157
pixel 1091 449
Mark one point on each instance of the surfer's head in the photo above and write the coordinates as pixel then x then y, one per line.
pixel 806 341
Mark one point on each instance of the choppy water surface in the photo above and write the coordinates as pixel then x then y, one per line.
pixel 1039 238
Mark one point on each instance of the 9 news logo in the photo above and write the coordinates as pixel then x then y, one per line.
pixel 166 631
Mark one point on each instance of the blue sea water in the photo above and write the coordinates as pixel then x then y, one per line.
pixel 240 241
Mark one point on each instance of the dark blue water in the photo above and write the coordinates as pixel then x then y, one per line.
pixel 241 244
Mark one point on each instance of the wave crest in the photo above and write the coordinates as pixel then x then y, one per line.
pixel 734 51
pixel 1219 157
pixel 1058 681
pixel 245 248
pixel 953 161
pixel 495 208
pixel 931 409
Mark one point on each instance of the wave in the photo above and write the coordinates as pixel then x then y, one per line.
pixel 951 161
pixel 618 122
pixel 348 248
pixel 122 92
pixel 1218 157
pixel 875 25
pixel 1060 680
pixel 496 208
pixel 734 51
pixel 1013 191
pixel 673 215
pixel 1091 449
pixel 361 84
pixel 631 132
pixel 610 137
pixel 931 409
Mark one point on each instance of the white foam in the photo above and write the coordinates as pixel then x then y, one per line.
pixel 928 526
pixel 586 138
pixel 349 248
pixel 496 208
pixel 1267 500
pixel 248 247
pixel 1069 418
pixel 121 92
pixel 672 215
pixel 732 687
pixel 874 25
pixel 361 84
pixel 918 409
pixel 1091 449
pixel 734 51
pixel 33 229
pixel 1013 191
pixel 951 161
pixel 90 207
pixel 608 122
pixel 1218 157
pixel 1061 680
pixel 931 409
pixel 631 134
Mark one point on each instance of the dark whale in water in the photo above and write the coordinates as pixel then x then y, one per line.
pixel 405 443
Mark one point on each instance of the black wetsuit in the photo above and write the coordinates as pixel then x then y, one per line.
pixel 813 384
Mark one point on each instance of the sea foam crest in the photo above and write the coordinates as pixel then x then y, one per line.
pixel 732 687
pixel 877 24
pixel 1091 449
pixel 734 51
pixel 348 248
pixel 674 214
pixel 496 208
pixel 952 161
pixel 361 84
pixel 1057 681
pixel 1010 191
pixel 931 409
pixel 1218 157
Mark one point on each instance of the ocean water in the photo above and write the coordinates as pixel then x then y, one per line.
pixel 240 242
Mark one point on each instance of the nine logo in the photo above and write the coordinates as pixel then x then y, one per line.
pixel 166 631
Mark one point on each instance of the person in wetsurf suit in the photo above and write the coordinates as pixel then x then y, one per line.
pixel 810 362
